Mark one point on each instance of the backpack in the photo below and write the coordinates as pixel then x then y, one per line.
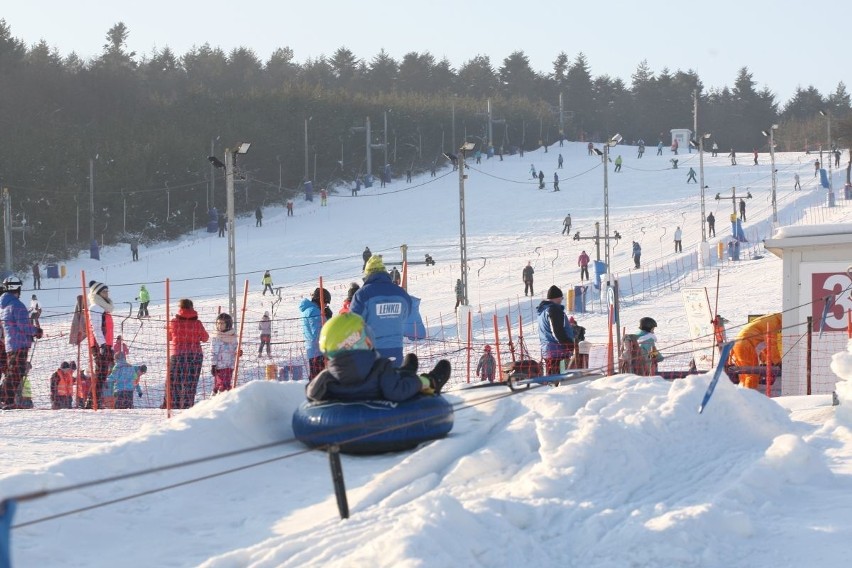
pixel 632 358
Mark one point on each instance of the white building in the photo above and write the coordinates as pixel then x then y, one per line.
pixel 817 264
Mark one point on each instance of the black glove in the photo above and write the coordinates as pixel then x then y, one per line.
pixel 213 370
pixel 39 333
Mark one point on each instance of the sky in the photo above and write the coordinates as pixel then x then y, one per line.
pixel 784 43
pixel 615 471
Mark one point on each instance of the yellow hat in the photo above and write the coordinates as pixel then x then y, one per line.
pixel 375 264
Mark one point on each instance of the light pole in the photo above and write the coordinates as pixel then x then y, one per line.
pixel 827 114
pixel 609 144
pixel 771 135
pixel 466 147
pixel 700 145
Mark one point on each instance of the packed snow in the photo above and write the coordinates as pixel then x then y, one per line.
pixel 614 471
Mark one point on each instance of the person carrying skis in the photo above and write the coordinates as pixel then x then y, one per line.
pixel 554 331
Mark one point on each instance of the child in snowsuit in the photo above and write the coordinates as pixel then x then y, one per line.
pixel 62 385
pixel 487 366
pixel 356 371
pixel 123 380
pixel 265 327
pixel 267 283
pixel 224 347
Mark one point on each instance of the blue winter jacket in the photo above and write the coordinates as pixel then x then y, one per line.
pixel 123 375
pixel 554 332
pixel 363 375
pixel 311 325
pixel 18 330
pixel 385 307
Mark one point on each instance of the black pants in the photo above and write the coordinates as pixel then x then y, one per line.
pixel 183 378
pixel 315 366
pixel 143 310
pixel 267 287
pixel 584 272
pixel 528 287
pixel 124 399
pixel 678 246
pixel 135 254
pixel 16 368
pixel 712 230
pixel 267 341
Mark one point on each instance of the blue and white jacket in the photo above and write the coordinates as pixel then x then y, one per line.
pixel 385 307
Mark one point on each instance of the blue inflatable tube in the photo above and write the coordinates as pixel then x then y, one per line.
pixel 373 426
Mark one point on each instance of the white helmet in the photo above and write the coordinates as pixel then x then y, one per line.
pixel 13 284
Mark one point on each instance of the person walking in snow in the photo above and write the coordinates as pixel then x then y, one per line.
pixel 836 158
pixel 258 216
pixel 36 277
pixel 618 163
pixel 134 248
pixel 224 353
pixel 365 256
pixel 742 209
pixel 527 277
pixel 583 262
pixel 678 234
pixel 559 162
pixel 690 176
pixel 290 207
pixel 637 254
pixel 797 184
pixel 267 283
pixel 487 366
pixel 711 224
pixel 221 221
pixel 143 298
pixel 265 327
pixel 566 225
pixel 733 157
pixel 715 150
pixel 641 148
pixel 555 181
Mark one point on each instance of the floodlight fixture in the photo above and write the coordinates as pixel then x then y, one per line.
pixel 217 163
pixel 243 148
pixel 615 140
pixel 467 146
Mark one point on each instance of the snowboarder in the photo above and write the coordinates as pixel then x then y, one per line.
pixel 690 176
pixel 527 276
pixel 641 148
pixel 678 234
pixel 566 225
pixel 583 263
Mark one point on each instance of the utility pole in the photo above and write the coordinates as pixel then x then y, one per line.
pixel 462 224
pixel 597 238
pixel 91 201
pixel 232 245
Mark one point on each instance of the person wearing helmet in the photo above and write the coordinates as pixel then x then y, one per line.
pixel 100 336
pixel 18 335
pixel 487 366
pixel 648 341
pixel 313 319
pixel 356 371
pixel 385 307
pixel 224 344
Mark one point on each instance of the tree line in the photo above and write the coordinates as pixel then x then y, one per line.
pixel 135 132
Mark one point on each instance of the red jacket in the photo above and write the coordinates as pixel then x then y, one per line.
pixel 186 333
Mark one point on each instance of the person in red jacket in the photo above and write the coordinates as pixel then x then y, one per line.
pixel 186 334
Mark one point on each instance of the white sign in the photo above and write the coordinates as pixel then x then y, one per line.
pixel 699 317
